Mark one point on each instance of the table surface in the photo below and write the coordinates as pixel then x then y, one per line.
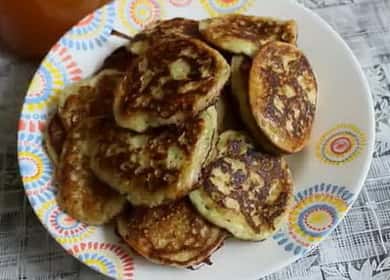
pixel 356 250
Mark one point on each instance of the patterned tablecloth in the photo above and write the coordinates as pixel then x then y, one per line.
pixel 357 249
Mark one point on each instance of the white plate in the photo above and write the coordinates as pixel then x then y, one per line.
pixel 328 174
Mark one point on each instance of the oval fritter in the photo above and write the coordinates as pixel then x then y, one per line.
pixel 163 30
pixel 173 234
pixel 242 34
pixel 241 66
pixel 92 97
pixel 283 95
pixel 80 193
pixel 170 83
pixel 244 191
pixel 54 137
pixel 155 167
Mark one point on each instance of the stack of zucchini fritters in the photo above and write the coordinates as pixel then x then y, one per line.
pixel 152 140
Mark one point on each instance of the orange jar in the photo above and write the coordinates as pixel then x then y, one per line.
pixel 30 27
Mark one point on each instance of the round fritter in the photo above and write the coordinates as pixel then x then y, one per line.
pixel 242 34
pixel 162 30
pixel 173 234
pixel 156 167
pixel 80 193
pixel 244 191
pixel 170 83
pixel 92 97
pixel 283 95
pixel 54 137
pixel 241 66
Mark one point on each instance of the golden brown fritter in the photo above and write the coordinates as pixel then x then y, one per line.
pixel 92 97
pixel 242 34
pixel 161 30
pixel 54 137
pixel 283 95
pixel 80 193
pixel 173 234
pixel 241 66
pixel 244 191
pixel 169 84
pixel 156 167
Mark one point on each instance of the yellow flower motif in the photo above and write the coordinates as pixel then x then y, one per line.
pixel 57 70
pixel 218 7
pixel 35 166
pixel 341 144
pixel 315 213
pixel 63 228
pixel 134 15
pixel 110 259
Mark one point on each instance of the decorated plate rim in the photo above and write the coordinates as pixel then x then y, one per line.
pixel 30 132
